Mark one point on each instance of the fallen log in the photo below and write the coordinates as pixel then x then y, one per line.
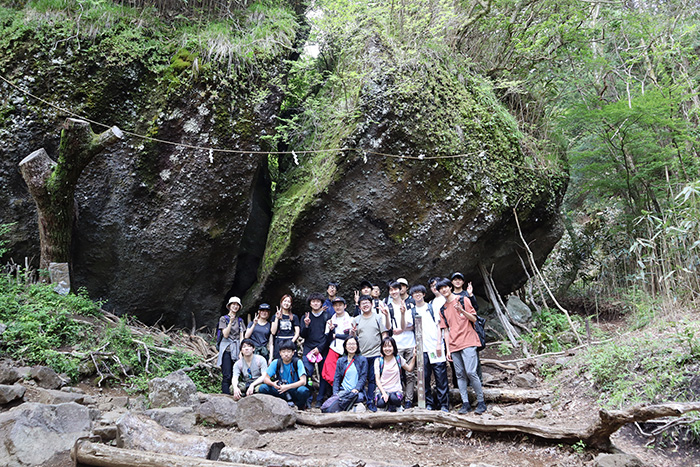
pixel 504 395
pixel 86 453
pixel 597 435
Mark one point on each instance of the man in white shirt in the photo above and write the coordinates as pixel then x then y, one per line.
pixel 404 336
pixel 434 360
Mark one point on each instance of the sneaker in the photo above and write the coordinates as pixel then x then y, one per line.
pixel 399 409
pixel 291 404
pixel 480 408
pixel 464 409
pixel 429 407
pixel 408 404
pixel 371 407
pixel 445 409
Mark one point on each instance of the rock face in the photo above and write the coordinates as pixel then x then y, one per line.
pixel 160 227
pixel 361 215
pixel 55 427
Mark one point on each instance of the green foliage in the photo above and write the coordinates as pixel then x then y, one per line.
pixel 551 331
pixel 652 366
pixel 504 349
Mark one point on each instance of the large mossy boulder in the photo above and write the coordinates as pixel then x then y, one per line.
pixel 164 230
pixel 364 214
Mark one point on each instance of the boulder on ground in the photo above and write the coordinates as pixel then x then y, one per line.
pixel 9 374
pixel 10 393
pixel 264 413
pixel 46 378
pixel 141 433
pixel 518 311
pixel 41 435
pixel 525 380
pixel 178 419
pixel 618 460
pixel 53 396
pixel 218 409
pixel 175 390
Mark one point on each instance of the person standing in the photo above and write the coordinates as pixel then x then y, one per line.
pixel 286 324
pixel 259 331
pixel 370 328
pixel 404 337
pixel 313 331
pixel 230 326
pixel 434 360
pixel 457 289
pixel 337 330
pixel 456 318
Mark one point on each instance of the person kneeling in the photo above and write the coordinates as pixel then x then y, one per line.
pixel 350 379
pixel 249 371
pixel 286 377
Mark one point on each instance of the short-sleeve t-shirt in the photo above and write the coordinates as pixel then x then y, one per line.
pixel 261 334
pixel 369 334
pixel 286 373
pixel 258 365
pixel 391 373
pixel 342 326
pixel 286 325
pixel 462 332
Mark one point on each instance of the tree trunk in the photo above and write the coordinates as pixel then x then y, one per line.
pixel 52 185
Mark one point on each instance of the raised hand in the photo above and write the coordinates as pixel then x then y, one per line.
pixel 357 297
pixel 470 289
pixel 278 315
pixel 307 319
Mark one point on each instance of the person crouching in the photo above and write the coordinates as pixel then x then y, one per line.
pixel 286 377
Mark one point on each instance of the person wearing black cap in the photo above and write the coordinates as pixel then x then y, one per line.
pixel 458 284
pixel 365 289
pixel 331 290
pixel 259 331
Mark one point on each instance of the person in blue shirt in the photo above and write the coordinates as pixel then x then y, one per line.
pixel 286 377
pixel 350 374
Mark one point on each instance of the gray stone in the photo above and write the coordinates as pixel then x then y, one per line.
pixel 9 374
pixel 46 378
pixel 178 419
pixel 220 410
pixel 539 413
pixel 562 361
pixel 53 396
pixel 137 403
pixel 3 328
pixel 264 413
pixel 120 401
pixel 41 435
pixel 60 276
pixel 175 390
pixel 496 411
pixel 72 389
pixel 518 311
pixel 10 393
pixel 246 439
pixel 525 380
pixel 106 433
pixel 618 460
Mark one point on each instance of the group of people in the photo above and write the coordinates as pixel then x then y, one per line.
pixel 365 354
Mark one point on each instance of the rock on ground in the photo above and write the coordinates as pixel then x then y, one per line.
pixel 264 413
pixel 10 393
pixel 178 419
pixel 175 390
pixel 220 410
pixel 36 434
pixel 46 378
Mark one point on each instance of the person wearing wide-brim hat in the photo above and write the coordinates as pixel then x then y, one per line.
pixel 231 329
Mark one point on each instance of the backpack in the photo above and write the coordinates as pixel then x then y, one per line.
pixel 478 324
pixel 220 333
pixel 381 364
pixel 292 373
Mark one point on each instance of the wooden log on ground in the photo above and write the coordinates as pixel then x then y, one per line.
pixel 504 395
pixel 99 455
pixel 597 435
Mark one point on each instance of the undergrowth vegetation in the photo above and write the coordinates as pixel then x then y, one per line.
pixel 67 334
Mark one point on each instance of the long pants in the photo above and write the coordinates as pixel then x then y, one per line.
pixel 226 372
pixel 442 390
pixel 323 387
pixel 466 362
pixel 298 395
pixel 395 399
pixel 411 376
pixel 371 381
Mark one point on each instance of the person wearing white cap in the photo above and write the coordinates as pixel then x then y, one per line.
pixel 230 335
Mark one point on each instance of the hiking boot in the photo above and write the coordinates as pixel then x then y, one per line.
pixel 466 408
pixel 480 408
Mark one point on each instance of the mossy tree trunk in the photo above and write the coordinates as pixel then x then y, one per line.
pixel 52 185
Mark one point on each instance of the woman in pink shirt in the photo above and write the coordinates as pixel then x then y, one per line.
pixel 387 371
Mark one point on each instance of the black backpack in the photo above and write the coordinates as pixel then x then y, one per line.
pixel 478 324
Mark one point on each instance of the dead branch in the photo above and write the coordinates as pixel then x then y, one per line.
pixel 596 436
pixel 533 265
pixel 502 316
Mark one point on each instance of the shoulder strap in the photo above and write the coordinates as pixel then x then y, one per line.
pixel 430 310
